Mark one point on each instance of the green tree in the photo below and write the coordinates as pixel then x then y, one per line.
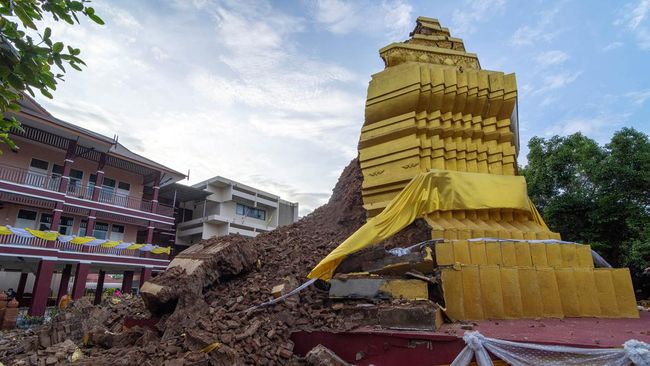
pixel 596 194
pixel 29 57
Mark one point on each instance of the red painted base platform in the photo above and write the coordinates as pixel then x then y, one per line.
pixel 386 347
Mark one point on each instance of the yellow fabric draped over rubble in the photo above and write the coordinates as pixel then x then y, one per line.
pixel 435 190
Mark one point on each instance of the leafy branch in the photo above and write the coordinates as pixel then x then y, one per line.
pixel 29 59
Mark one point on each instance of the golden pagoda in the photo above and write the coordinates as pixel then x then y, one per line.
pixel 440 142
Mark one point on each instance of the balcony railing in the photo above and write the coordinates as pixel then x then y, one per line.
pixel 69 247
pixel 24 176
pixel 77 190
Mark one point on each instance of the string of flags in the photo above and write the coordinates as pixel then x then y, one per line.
pixel 82 240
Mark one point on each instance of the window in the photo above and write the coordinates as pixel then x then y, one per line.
pixel 253 212
pixel 37 175
pixel 241 210
pixel 124 186
pixel 75 180
pixel 65 225
pixel 82 227
pixel 57 170
pixel 75 177
pixel 46 222
pixel 26 219
pixel 37 164
pixel 259 214
pixel 92 181
pixel 117 232
pixel 101 230
pixel 122 193
pixel 108 187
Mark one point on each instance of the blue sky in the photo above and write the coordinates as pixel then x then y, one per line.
pixel 272 93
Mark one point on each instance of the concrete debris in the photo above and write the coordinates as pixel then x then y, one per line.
pixel 200 266
pixel 323 356
pixel 375 288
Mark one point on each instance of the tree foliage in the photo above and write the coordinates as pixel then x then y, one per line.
pixel 596 194
pixel 29 58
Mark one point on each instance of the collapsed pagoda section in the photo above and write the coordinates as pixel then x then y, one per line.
pixel 434 107
pixel 440 143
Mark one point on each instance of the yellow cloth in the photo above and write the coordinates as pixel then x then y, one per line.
pixel 161 250
pixel 82 240
pixel 110 244
pixel 45 235
pixel 5 230
pixel 436 190
pixel 135 246
pixel 64 302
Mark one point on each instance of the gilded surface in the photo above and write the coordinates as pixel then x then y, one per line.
pixel 433 107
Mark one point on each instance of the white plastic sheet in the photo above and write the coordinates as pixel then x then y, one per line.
pixel 528 354
pixel 96 242
pixel 20 232
pixel 147 248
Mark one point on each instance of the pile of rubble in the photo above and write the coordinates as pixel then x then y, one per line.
pixel 52 342
pixel 205 301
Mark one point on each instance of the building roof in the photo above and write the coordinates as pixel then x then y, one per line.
pixel 42 117
pixel 227 181
pixel 120 150
pixel 182 193
pixel 32 107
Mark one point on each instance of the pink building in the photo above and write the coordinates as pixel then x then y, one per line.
pixel 68 179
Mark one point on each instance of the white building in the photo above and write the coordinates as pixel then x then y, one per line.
pixel 231 207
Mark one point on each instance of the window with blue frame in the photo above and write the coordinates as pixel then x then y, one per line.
pixel 249 211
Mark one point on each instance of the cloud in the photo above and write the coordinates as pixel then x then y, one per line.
pixel 634 19
pixel 391 18
pixel 541 31
pixel 159 54
pixel 467 18
pixel 551 58
pixel 639 97
pixel 599 127
pixel 242 99
pixel 307 200
pixel 557 80
pixel 612 46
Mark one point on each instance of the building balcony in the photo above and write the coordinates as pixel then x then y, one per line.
pixel 36 243
pixel 49 186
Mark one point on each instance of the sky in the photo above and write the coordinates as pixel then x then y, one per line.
pixel 272 93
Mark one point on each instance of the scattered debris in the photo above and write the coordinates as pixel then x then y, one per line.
pixel 323 356
pixel 202 299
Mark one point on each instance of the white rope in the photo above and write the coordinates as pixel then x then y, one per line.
pixel 529 354
pixel 293 292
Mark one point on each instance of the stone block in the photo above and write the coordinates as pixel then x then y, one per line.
pixel 323 356
pixel 420 317
pixel 377 288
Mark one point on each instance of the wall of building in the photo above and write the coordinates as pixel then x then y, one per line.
pixel 29 150
pixel 220 193
pixel 287 213
pixel 221 214
pixel 211 229
pixel 9 213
